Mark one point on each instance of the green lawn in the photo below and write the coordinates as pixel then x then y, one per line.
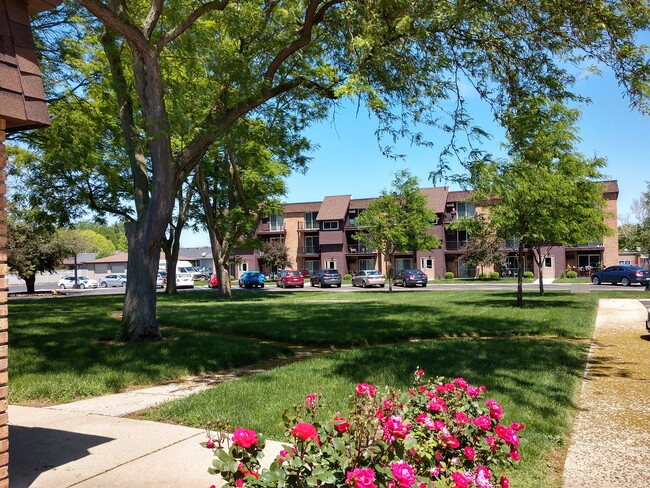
pixel 531 359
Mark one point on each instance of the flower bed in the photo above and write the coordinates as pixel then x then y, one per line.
pixel 438 434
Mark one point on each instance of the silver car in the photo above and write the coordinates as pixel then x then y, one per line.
pixel 368 278
pixel 84 282
pixel 113 280
pixel 184 280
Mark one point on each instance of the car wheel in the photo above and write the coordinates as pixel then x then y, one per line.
pixel 423 285
pixel 625 281
pixel 353 284
pixel 124 284
pixel 62 287
pixel 381 286
pixel 364 284
pixel 404 284
pixel 103 284
pixel 595 280
pixel 262 285
pixel 339 285
pixel 82 286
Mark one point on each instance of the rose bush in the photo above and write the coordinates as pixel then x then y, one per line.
pixel 438 434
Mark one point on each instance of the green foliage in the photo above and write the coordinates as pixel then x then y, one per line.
pixel 494 275
pixel 528 274
pixel 34 249
pixel 86 241
pixel 113 232
pixel 398 220
pixel 571 274
pixel 449 275
pixel 276 255
pixel 347 278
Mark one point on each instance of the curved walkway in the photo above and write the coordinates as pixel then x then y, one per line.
pixel 610 444
pixel 89 443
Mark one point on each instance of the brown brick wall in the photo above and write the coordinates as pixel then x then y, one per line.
pixel 4 443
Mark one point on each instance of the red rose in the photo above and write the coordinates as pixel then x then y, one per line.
pixel 304 431
pixel 244 438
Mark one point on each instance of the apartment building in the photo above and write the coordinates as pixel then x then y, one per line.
pixel 322 235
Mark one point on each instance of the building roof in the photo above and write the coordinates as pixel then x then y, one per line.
pixel 82 258
pixel 191 253
pixel 611 186
pixel 120 257
pixel 302 207
pixel 436 198
pixel 334 208
pixel 459 196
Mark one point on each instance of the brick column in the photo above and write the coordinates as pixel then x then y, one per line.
pixel 4 427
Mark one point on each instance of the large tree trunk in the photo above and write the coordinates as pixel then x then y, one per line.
pixel 139 314
pixel 539 258
pixel 223 270
pixel 30 282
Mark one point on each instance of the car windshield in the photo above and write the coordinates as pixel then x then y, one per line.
pixel 372 273
pixel 331 271
pixel 295 273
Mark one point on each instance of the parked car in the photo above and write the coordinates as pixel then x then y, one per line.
pixel 84 282
pixel 161 280
pixel 196 275
pixel 184 280
pixel 368 278
pixel 213 281
pixel 113 280
pixel 410 277
pixel 326 277
pixel 289 277
pixel 623 274
pixel 251 278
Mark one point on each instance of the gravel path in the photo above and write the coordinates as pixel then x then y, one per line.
pixel 610 444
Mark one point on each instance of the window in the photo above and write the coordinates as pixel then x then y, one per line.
pixel 310 220
pixel 311 266
pixel 426 263
pixel 455 240
pixel 512 243
pixel 330 264
pixel 276 223
pixel 275 239
pixel 548 262
pixel 624 262
pixel 243 267
pixel 311 245
pixel 402 263
pixel 366 264
pixel 466 209
pixel 465 270
pixel 331 225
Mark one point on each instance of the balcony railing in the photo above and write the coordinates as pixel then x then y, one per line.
pixel 304 250
pixel 454 245
pixel 360 249
pixel 303 225
pixel 271 227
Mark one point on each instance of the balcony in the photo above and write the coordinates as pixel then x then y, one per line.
pixel 360 249
pixel 454 245
pixel 271 228
pixel 307 226
pixel 588 245
pixel 308 250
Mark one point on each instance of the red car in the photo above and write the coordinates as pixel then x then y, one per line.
pixel 289 278
pixel 213 282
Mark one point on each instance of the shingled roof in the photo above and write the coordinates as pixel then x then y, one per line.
pixel 334 208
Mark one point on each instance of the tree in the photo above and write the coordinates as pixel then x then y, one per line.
pixel 275 255
pixel 403 58
pixel 398 220
pixel 113 232
pixel 33 249
pixel 483 247
pixel 548 193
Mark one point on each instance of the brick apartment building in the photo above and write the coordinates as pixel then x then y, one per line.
pixel 321 235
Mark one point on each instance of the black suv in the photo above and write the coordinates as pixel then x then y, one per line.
pixel 326 277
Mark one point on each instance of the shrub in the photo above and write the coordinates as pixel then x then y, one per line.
pixel 571 274
pixel 482 276
pixel 449 275
pixel 528 274
pixel 438 434
pixel 494 275
pixel 347 277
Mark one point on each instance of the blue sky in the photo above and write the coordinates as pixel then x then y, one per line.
pixel 349 161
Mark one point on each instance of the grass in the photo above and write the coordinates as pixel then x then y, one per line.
pixel 531 359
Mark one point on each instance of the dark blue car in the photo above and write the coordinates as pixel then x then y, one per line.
pixel 250 279
pixel 623 274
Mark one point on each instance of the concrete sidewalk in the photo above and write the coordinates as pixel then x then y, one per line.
pixel 88 444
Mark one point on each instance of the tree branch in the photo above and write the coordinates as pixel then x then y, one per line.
pixel 152 17
pixel 187 23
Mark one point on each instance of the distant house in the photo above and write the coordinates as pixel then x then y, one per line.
pixel 117 262
pixel 82 262
pixel 633 257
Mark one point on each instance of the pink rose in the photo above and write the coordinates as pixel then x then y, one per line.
pixel 244 438
pixel 483 422
pixel 469 452
pixel 361 478
pixel 460 383
pixel 517 427
pixel 514 454
pixel 504 482
pixel 363 388
pixel 459 480
pixel 304 431
pixel 461 418
pixel 403 474
pixel 309 399
pixel 394 428
pixel 495 409
pixel 483 477
pixel 341 424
